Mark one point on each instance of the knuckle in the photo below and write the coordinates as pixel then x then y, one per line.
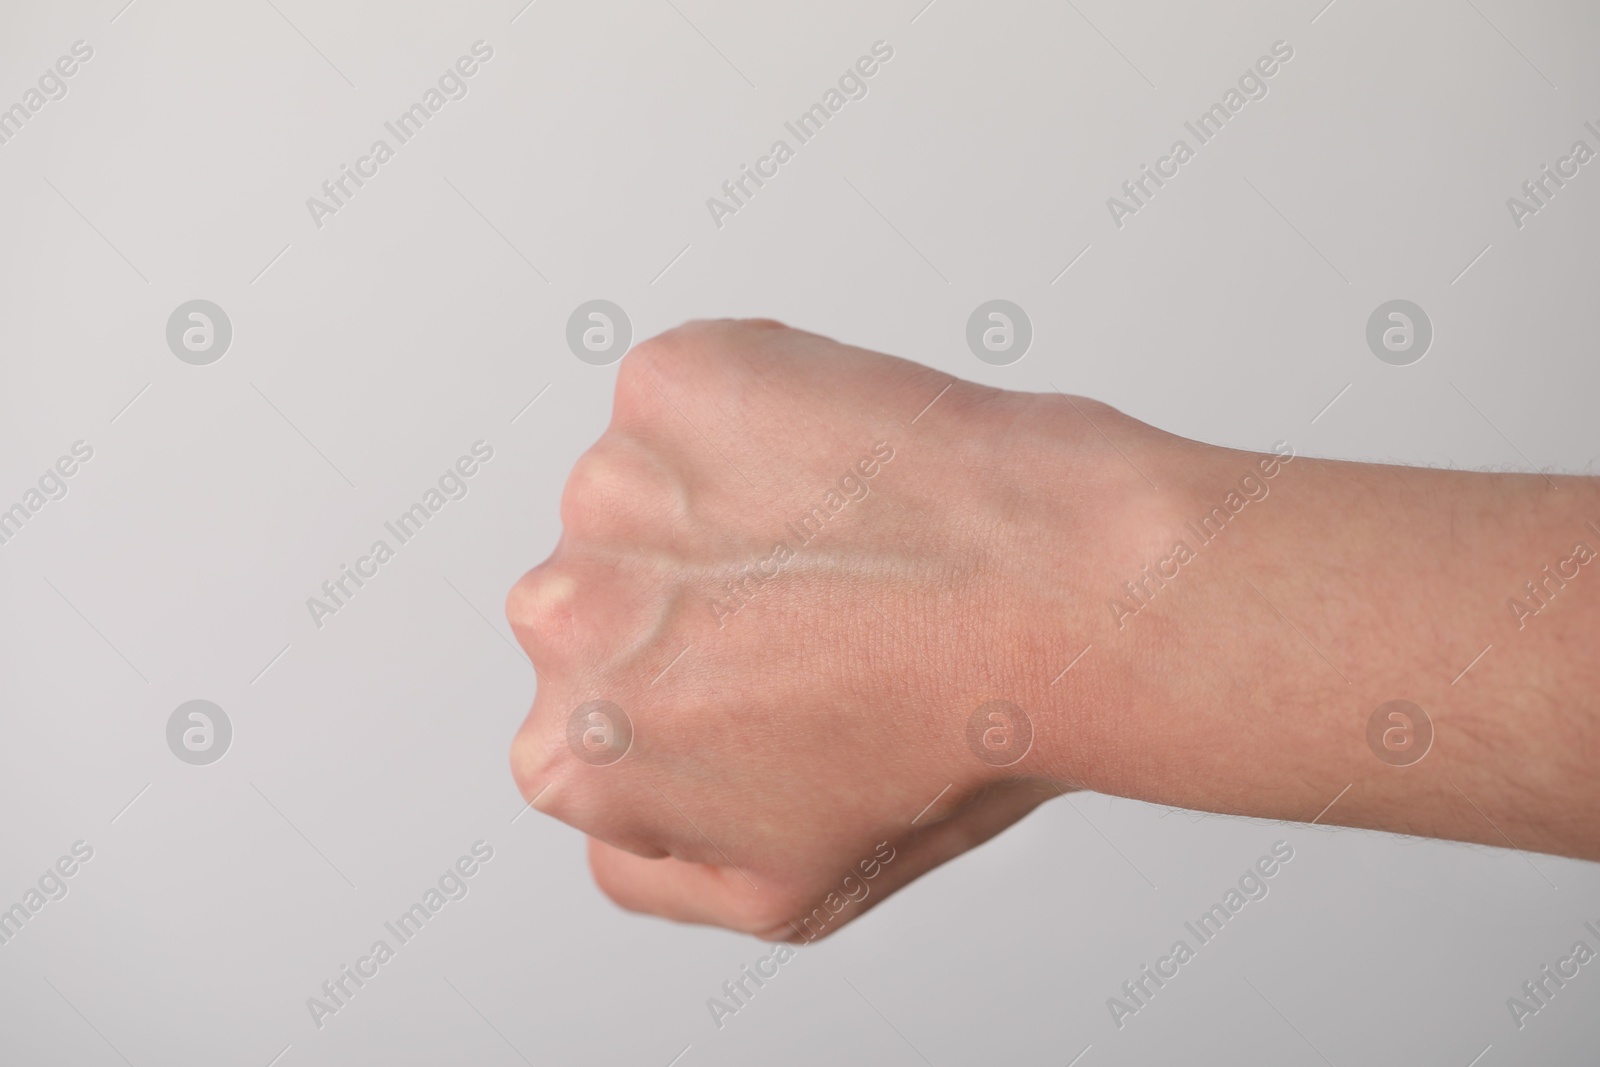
pixel 582 614
pixel 645 366
pixel 618 490
pixel 539 608
pixel 669 352
pixel 659 374
pixel 536 762
pixel 763 324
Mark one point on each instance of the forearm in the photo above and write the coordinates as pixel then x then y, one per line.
pixel 1252 665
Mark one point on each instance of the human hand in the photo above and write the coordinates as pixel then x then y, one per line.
pixel 799 568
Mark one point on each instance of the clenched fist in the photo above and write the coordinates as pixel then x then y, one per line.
pixel 821 619
pixel 791 573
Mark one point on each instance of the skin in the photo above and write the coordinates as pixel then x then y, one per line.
pixel 786 740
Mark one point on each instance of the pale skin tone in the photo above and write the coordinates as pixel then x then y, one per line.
pixel 782 734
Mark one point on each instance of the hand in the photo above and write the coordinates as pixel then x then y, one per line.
pixel 798 569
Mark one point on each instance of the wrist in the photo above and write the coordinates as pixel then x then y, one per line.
pixel 1093 503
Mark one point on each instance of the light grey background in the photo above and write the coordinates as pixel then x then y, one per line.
pixel 370 353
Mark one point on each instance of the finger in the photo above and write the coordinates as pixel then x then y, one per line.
pixel 739 900
pixel 680 890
